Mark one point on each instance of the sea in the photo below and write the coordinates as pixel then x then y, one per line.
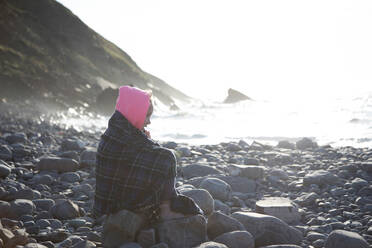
pixel 343 121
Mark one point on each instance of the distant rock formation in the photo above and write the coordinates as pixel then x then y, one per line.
pixel 235 96
pixel 48 55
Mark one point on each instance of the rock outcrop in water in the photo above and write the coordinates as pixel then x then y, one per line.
pixel 235 96
pixel 48 55
pixel 323 195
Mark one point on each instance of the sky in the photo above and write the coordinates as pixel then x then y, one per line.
pixel 268 49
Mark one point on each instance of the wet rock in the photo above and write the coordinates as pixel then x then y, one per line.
pixel 321 177
pixel 121 228
pixel 57 164
pixel 306 143
pixel 358 183
pixel 185 151
pixel 219 223
pixel 22 207
pixel 65 209
pixel 345 239
pixel 280 207
pixel 43 179
pixel 217 188
pixel 198 170
pixel 202 198
pixel 268 230
pixel 183 232
pixel 236 239
pixel 88 157
pixel 4 169
pixel 6 153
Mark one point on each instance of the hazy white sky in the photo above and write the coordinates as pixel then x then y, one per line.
pixel 266 48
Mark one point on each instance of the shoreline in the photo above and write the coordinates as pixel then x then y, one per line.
pixel 47 169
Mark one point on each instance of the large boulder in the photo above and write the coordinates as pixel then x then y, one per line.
pixel 320 177
pixel 121 227
pixel 345 239
pixel 183 232
pixel 236 239
pixel 235 96
pixel 282 208
pixel 57 164
pixel 202 198
pixel 219 223
pixel 217 188
pixel 268 230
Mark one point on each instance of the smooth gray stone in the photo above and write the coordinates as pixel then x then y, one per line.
pixel 5 153
pixel 198 170
pixel 43 179
pixel 71 145
pixel 345 239
pixel 286 144
pixel 236 239
pixel 183 232
pixel 307 199
pixel 268 230
pixel 22 207
pixel 219 223
pixel 222 207
pixel 4 169
pixel 57 164
pixel 65 209
pixel 44 204
pixel 84 244
pixel 217 188
pixel 239 184
pixel 202 198
pixel 121 228
pixel 70 177
pixel 211 244
pixel 367 166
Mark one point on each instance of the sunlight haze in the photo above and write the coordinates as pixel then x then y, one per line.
pixel 266 49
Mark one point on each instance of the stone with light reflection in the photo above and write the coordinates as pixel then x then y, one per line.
pixel 280 207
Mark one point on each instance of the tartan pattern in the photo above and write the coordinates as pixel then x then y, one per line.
pixel 131 169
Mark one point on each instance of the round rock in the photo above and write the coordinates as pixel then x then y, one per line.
pixel 236 239
pixel 4 170
pixel 345 239
pixel 22 207
pixel 217 188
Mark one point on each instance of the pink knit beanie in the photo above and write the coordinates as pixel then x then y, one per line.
pixel 133 103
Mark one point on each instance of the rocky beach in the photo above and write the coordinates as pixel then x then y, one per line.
pixel 253 195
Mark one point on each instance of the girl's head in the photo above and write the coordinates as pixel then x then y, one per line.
pixel 135 105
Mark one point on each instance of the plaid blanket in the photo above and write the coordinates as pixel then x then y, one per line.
pixel 131 169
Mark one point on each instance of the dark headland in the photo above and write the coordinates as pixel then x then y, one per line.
pixel 254 195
